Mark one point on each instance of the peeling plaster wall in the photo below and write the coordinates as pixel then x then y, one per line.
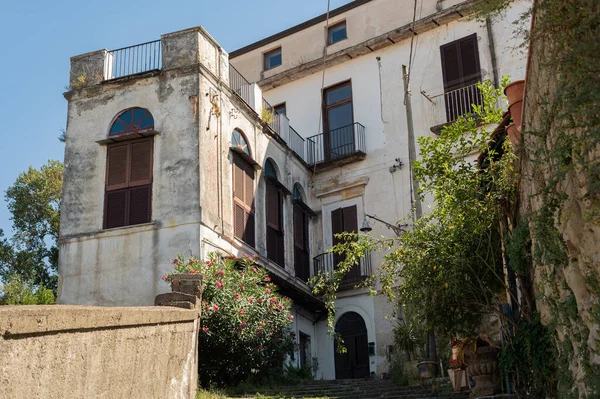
pixel 76 352
pixel 123 266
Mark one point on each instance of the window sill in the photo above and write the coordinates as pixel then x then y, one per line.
pixel 339 41
pixel 140 226
pixel 126 137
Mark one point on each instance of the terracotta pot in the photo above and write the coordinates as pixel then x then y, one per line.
pixel 427 369
pixel 516 111
pixel 513 133
pixel 514 91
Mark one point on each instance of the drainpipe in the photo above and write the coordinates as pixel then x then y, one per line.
pixel 412 148
pixel 490 33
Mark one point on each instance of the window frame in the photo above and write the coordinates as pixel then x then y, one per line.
pixel 128 186
pixel 269 53
pixel 336 25
pixel 277 108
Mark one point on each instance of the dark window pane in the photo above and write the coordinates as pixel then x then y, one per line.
pixel 270 169
pixel 279 109
pixel 338 94
pixel 339 116
pixel 337 33
pixel 273 59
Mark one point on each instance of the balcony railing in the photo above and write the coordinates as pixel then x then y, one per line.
pixel 449 106
pixel 134 59
pixel 240 86
pixel 297 143
pixel 327 262
pixel 336 144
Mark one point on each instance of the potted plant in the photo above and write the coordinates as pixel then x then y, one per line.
pixel 480 356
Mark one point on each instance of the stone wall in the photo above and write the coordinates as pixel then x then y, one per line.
pixel 566 256
pixel 93 352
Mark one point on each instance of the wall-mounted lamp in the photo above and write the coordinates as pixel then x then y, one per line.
pixel 396 228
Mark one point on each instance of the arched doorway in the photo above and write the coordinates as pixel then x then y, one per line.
pixel 355 362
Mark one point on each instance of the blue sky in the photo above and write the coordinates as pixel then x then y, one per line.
pixel 40 36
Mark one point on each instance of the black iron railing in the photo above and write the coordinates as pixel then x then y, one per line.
pixel 240 86
pixel 327 262
pixel 460 101
pixel 297 143
pixel 336 144
pixel 134 59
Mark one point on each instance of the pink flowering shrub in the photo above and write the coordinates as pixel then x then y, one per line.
pixel 244 324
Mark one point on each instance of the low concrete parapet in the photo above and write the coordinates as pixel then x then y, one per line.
pixel 88 352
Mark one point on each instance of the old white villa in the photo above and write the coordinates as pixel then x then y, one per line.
pixel 177 147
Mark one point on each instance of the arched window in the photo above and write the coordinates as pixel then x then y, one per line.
pixel 243 189
pixel 297 193
pixel 239 141
pixel 132 120
pixel 301 242
pixel 128 187
pixel 274 211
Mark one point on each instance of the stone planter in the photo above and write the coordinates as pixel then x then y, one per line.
pixel 484 371
pixel 514 91
pixel 191 284
pixel 186 292
pixel 427 369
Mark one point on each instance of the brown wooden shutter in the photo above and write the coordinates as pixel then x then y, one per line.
pixel 139 205
pixel 301 251
pixel 469 58
pixel 272 205
pixel 298 228
pixel 116 171
pixel 460 63
pixel 350 219
pixel 128 183
pixel 243 201
pixel 141 163
pixel 115 209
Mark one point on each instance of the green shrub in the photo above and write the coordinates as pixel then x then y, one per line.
pixel 244 331
pixel 397 369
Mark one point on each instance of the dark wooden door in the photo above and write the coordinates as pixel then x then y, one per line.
pixel 355 362
pixel 344 220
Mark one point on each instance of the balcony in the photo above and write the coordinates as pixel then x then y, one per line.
pixel 337 147
pixel 327 262
pixel 449 106
pixel 133 60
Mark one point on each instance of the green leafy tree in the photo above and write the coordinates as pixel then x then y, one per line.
pixel 448 267
pixel 34 201
pixel 245 323
pixel 17 291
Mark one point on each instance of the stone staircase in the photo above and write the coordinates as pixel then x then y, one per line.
pixel 361 389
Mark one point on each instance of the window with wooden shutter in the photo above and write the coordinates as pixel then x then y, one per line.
pixel 243 201
pixel 301 246
pixel 128 183
pixel 274 214
pixel 461 72
pixel 344 220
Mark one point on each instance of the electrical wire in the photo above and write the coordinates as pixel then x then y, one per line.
pixel 323 75
pixel 412 40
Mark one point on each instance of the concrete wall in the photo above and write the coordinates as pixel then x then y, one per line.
pixel 78 352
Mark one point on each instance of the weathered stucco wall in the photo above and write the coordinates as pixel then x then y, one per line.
pixel 89 352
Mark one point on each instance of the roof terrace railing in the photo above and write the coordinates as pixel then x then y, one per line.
pixel 132 60
pixel 240 86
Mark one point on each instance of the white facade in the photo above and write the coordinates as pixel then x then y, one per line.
pixel 192 184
